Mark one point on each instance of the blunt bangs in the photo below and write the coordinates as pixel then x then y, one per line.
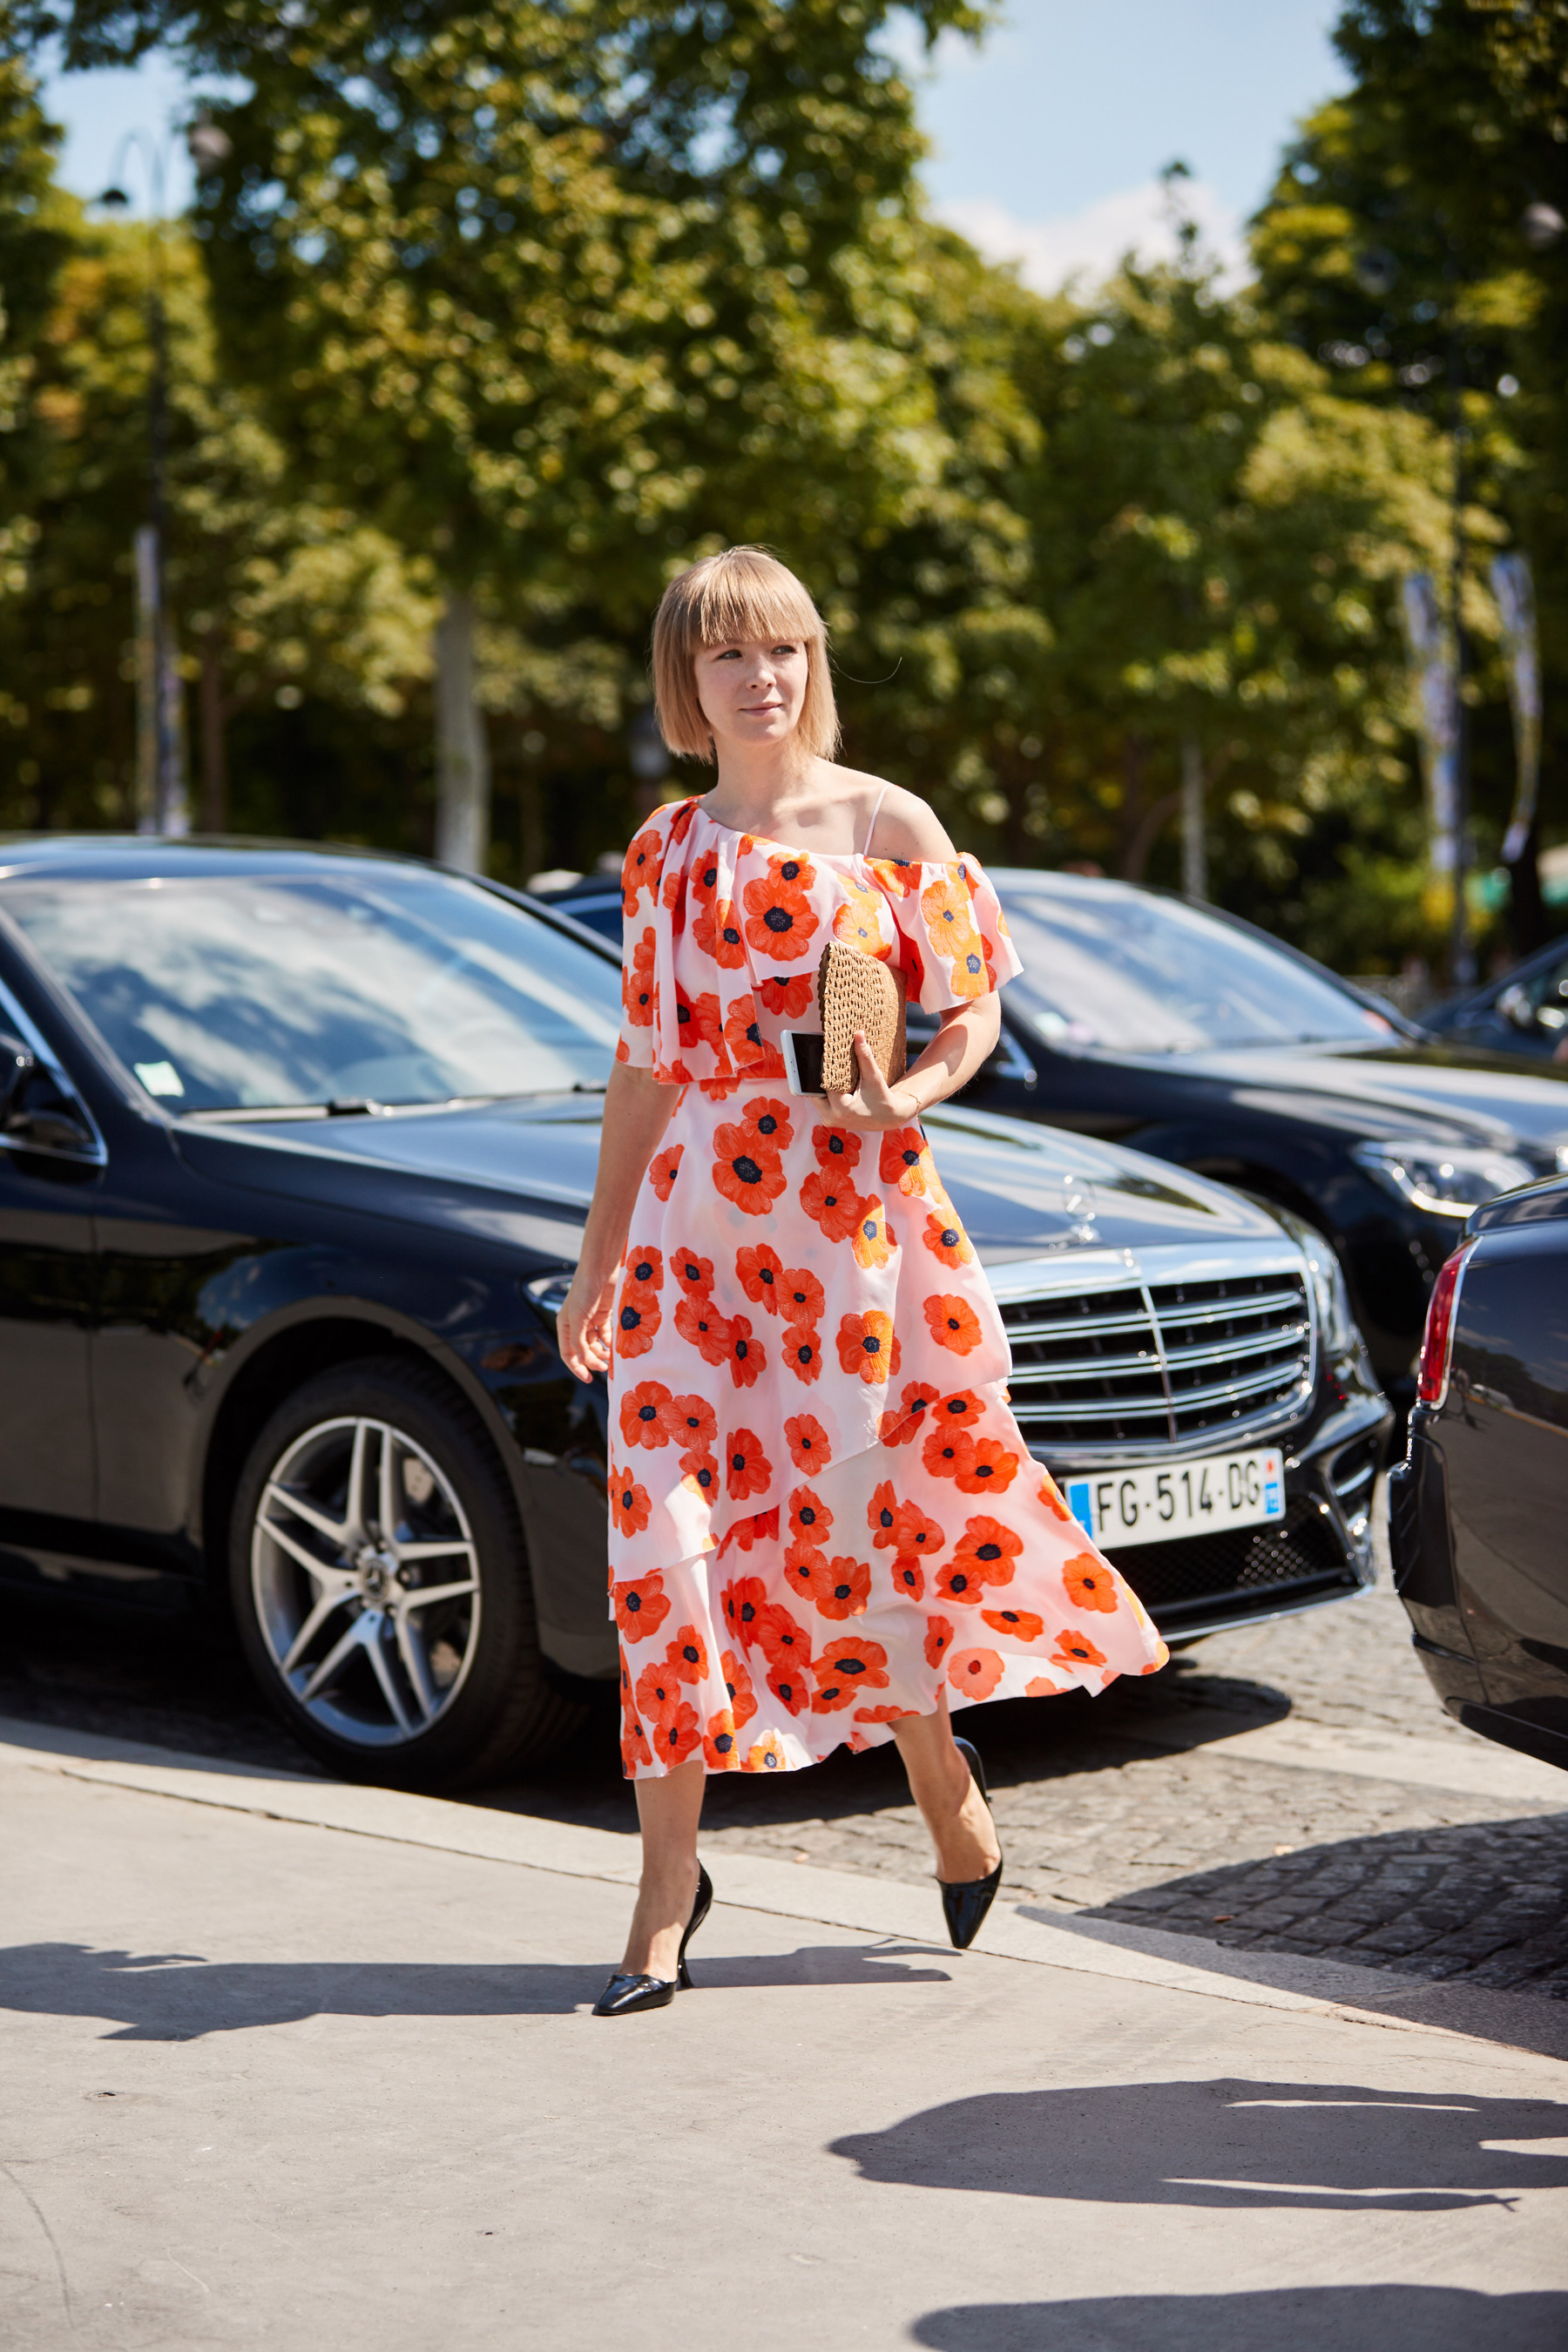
pixel 742 596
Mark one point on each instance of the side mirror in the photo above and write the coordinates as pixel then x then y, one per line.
pixel 36 1113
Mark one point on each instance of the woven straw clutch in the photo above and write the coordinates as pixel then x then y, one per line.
pixel 855 991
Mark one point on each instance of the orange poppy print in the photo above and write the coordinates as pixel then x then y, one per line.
pixel 949 913
pixel 721 1749
pixel 946 1239
pixel 770 1122
pixel 758 1527
pixel 786 999
pixel 809 1447
pixel 647 1416
pixel 645 1269
pixel 841 1587
pixel 874 1246
pixel 947 1452
pixel 864 1346
pixel 844 1669
pixel 882 1516
pixel 802 1351
pixel 700 1021
pixel 702 880
pixel 675 903
pixel 745 1043
pixel 639 990
pixel 694 1274
pixel 897 875
pixel 702 1327
pixel 858 922
pixel 638 1318
pixel 962 1410
pixel 780 1634
pixel 938 1640
pixel 908 1419
pixel 693 1422
pixel 988 1467
pixel 659 1692
pixel 1051 1496
pixel 747 1470
pixel 687 1655
pixel 970 973
pixel 837 1148
pixel 1020 1624
pixel 988 1550
pixel 914 1532
pixel 831 1202
pixel 790 1685
pixel 1090 1583
pixel 1075 1650
pixel 759 1274
pixel 804 1297
pixel 640 870
pixel 780 923
pixel 743 1603
pixel 635 1749
pixel 699 1475
pixel 737 1682
pixel 629 1506
pixel 675 1735
pixel 802 1562
pixel 717 932
pixel 663 1169
pixel 640 1605
pixel 909 1576
pixel 884 1713
pixel 748 1358
pixel 767 1755
pixel 902 1160
pixel 974 1673
pixel 810 1520
pixel 744 1174
pixel 1042 1686
pixel 953 1323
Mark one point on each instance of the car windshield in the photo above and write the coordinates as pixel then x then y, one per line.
pixel 226 993
pixel 1107 966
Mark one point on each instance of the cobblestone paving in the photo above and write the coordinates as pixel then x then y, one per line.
pixel 1096 1817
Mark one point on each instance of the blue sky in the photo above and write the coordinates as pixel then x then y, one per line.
pixel 1047 138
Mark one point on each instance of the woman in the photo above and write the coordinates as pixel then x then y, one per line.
pixel 826 1525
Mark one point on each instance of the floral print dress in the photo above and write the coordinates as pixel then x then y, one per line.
pixel 822 1511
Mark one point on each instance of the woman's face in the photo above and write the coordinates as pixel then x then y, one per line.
pixel 752 692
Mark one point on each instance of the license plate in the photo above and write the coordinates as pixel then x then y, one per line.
pixel 1185 1499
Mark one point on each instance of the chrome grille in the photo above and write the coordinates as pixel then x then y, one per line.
pixel 1151 1363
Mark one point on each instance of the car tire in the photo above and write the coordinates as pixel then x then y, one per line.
pixel 404 1653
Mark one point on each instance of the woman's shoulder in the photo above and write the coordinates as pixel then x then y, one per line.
pixel 907 828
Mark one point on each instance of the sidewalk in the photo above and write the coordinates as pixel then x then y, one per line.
pixel 305 2066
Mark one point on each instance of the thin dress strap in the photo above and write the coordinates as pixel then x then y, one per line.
pixel 871 828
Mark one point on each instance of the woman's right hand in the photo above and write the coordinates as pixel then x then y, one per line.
pixel 583 1325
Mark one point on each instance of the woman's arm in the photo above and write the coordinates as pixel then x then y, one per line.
pixel 636 1112
pixel 965 1037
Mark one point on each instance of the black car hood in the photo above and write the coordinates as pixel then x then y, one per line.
pixel 522 1172
pixel 1439 1092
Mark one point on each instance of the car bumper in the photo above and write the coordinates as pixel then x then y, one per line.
pixel 1319 1551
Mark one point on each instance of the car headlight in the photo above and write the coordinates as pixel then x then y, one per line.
pixel 1444 1181
pixel 1337 1330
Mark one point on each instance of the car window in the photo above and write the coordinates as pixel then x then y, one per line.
pixel 228 992
pixel 1119 969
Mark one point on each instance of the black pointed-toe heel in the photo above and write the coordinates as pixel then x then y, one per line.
pixel 965 1902
pixel 623 1995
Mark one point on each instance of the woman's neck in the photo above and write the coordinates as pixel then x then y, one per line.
pixel 779 793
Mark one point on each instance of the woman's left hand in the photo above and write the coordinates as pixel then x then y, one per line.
pixel 875 1106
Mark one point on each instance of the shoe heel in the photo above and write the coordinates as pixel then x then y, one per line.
pixel 700 1911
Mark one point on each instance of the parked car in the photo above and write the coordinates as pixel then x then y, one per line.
pixel 1526 1013
pixel 295 1152
pixel 1140 1020
pixel 1476 1510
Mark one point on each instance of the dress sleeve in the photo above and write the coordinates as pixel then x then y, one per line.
pixel 641 871
pixel 952 940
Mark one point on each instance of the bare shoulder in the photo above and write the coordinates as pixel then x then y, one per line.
pixel 906 825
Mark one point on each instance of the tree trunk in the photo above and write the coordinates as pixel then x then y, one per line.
pixel 462 753
pixel 214 750
pixel 1528 928
pixel 1194 848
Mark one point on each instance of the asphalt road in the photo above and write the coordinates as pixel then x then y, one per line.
pixel 1140 1806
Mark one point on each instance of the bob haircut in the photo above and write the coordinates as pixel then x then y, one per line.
pixel 743 596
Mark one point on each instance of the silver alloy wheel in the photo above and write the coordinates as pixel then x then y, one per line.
pixel 364 1576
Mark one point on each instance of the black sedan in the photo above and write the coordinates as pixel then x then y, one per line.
pixel 295 1152
pixel 1140 1020
pixel 1475 1510
pixel 1525 1013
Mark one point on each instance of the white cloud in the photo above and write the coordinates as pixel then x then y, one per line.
pixel 1090 244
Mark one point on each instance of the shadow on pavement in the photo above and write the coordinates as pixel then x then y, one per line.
pixel 179 1997
pixel 1392 2318
pixel 1233 2144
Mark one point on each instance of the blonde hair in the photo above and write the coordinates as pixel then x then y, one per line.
pixel 740 596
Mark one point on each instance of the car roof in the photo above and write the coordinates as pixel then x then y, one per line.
pixel 130 856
